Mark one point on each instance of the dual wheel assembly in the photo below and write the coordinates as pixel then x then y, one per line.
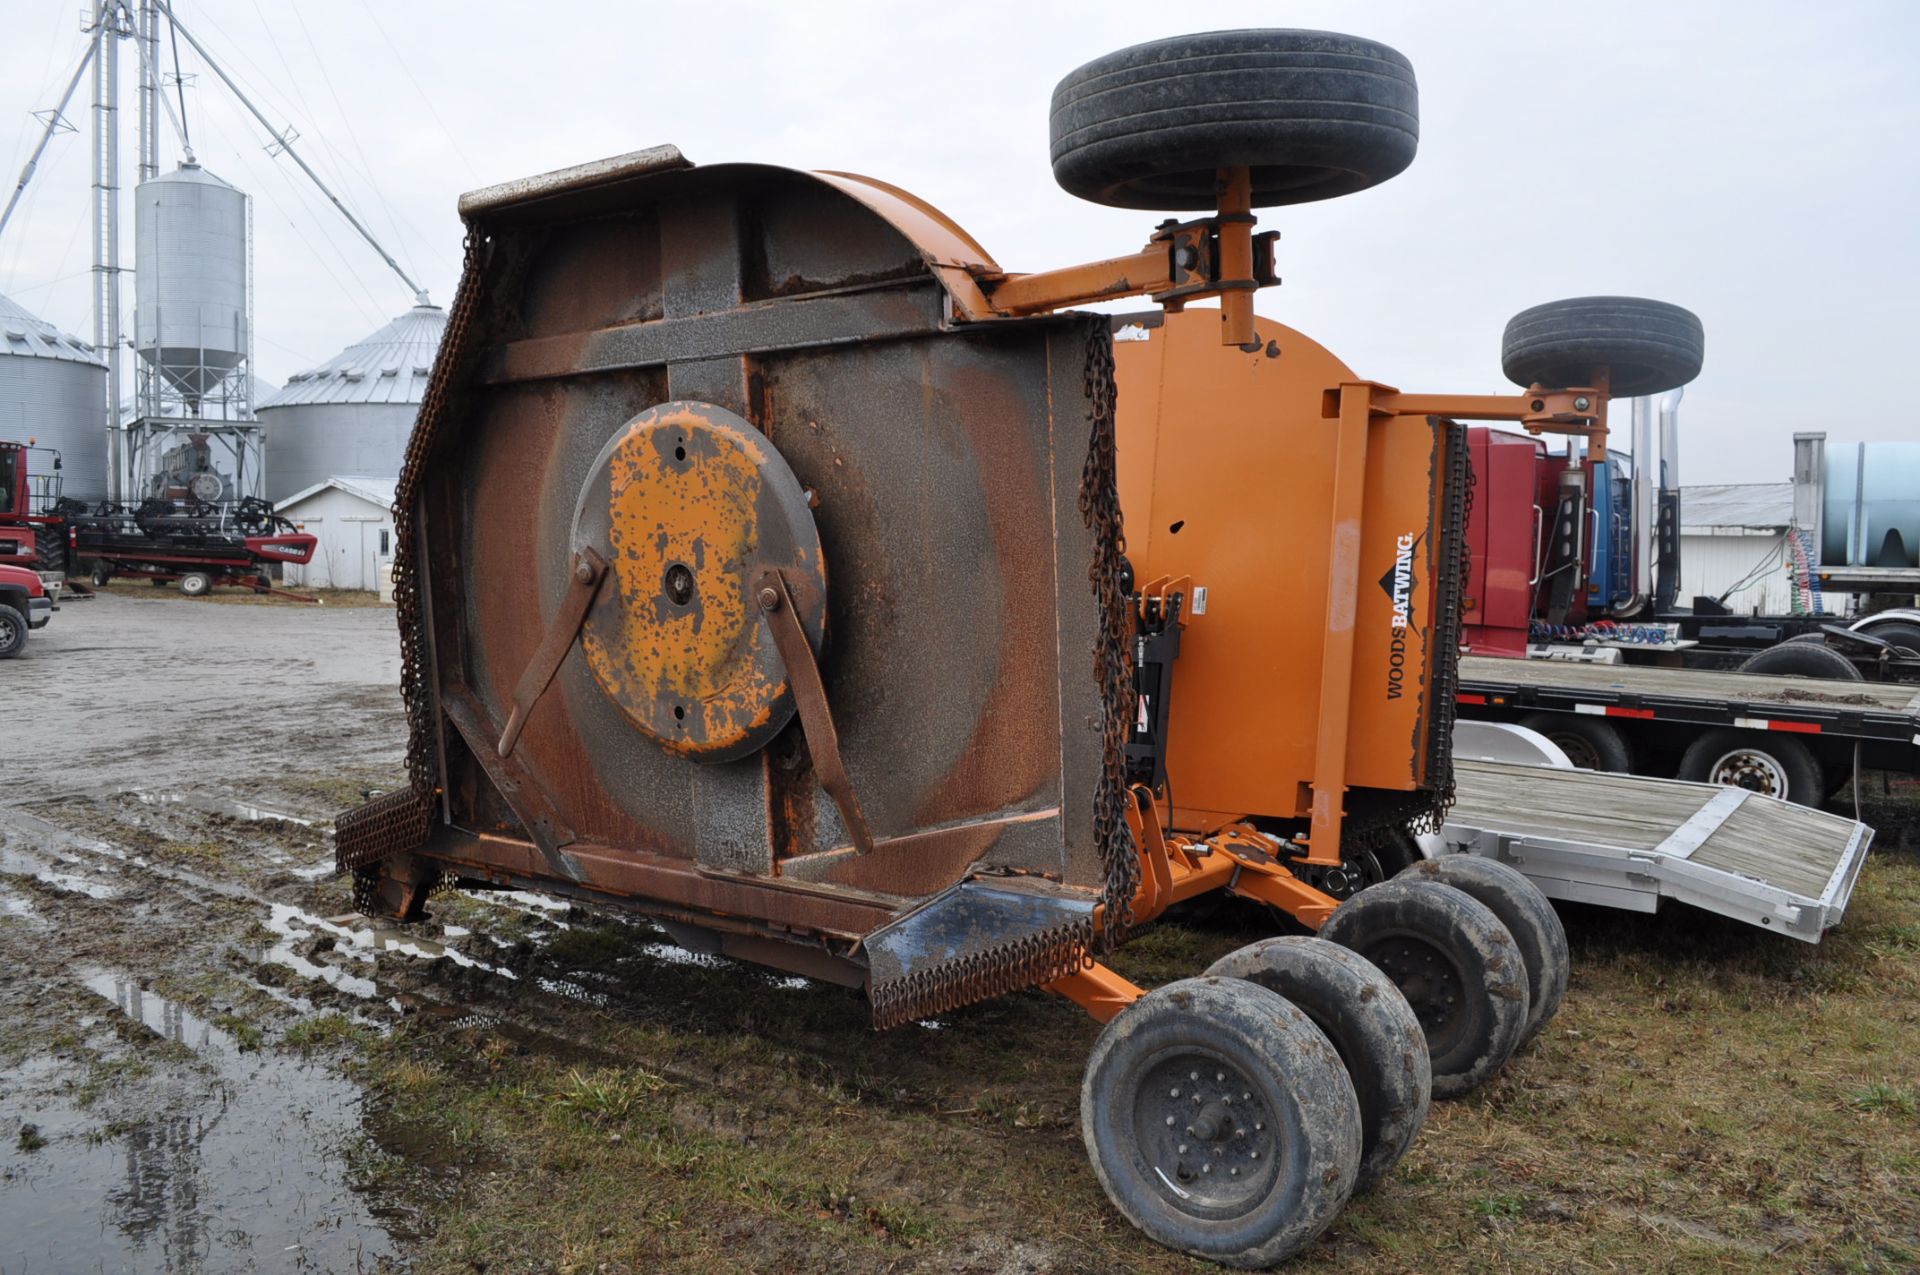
pixel 1230 1116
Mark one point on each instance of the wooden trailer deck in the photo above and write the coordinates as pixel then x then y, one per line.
pixel 1630 842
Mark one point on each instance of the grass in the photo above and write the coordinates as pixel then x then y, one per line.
pixel 1711 1098
pixel 325 1032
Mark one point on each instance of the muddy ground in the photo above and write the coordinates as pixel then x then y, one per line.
pixel 207 1064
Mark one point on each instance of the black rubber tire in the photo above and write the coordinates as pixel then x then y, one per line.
pixel 1803 659
pixel 101 577
pixel 1302 1117
pixel 1762 760
pixel 13 631
pixel 157 582
pixel 1369 1023
pixel 1591 743
pixel 1456 964
pixel 50 547
pixel 1897 632
pixel 1314 114
pixel 1528 916
pixel 1647 346
pixel 196 584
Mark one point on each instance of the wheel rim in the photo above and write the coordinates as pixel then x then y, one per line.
pixel 1431 980
pixel 1750 769
pixel 9 631
pixel 1356 871
pixel 1204 1133
pixel 1579 751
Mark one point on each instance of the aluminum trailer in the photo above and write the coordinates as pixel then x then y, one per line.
pixel 1623 841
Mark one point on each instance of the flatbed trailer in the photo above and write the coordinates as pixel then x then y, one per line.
pixel 1661 714
pixel 1628 842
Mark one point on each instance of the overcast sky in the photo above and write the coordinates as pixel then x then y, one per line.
pixel 1753 161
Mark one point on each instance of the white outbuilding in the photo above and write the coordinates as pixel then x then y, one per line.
pixel 352 514
pixel 1734 547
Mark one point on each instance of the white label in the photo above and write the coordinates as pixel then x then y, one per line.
pixel 1200 599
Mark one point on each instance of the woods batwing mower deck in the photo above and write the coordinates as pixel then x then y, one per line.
pixel 761 569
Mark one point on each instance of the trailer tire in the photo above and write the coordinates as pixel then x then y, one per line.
pixel 1528 916
pixel 1295 1138
pixel 13 631
pixel 1647 347
pixel 1371 1026
pixel 101 577
pixel 1897 633
pixel 196 584
pixel 1456 964
pixel 1797 658
pixel 157 582
pixel 1314 114
pixel 1591 743
pixel 1766 762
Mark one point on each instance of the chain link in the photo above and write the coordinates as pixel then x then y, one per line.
pixel 1112 655
pixel 399 822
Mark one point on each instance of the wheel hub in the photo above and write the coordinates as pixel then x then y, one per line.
pixel 1432 984
pixel 1754 771
pixel 1205 1133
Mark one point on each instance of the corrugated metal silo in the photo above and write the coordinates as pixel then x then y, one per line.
pixel 190 291
pixel 53 388
pixel 353 413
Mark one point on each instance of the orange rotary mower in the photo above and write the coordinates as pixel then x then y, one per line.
pixel 761 570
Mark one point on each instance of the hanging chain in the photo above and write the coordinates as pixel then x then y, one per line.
pixel 1112 657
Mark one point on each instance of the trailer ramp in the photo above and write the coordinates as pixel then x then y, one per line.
pixel 1629 842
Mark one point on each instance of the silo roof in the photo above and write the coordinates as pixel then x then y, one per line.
pixel 389 366
pixel 29 336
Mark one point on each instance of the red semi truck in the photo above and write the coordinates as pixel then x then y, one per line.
pixel 1574 562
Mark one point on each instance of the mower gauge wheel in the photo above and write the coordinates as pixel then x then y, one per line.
pixel 196 584
pixel 1371 1026
pixel 1312 114
pixel 1646 347
pixel 1221 1122
pixel 1456 964
pixel 1528 916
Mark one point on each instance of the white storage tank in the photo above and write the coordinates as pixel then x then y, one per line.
pixel 190 290
pixel 353 413
pixel 53 389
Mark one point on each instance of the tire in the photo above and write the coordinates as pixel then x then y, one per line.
pixel 1591 743
pixel 50 547
pixel 1528 916
pixel 1371 1026
pixel 100 577
pixel 1285 1116
pixel 1798 658
pixel 196 584
pixel 1647 347
pixel 1456 964
pixel 1897 632
pixel 1313 114
pixel 157 582
pixel 1763 761
pixel 13 631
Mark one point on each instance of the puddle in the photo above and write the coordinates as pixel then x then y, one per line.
pixel 227 1160
pixel 225 806
pixel 296 927
pixel 15 864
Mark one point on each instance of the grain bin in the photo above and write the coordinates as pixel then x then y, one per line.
pixel 53 388
pixel 352 414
